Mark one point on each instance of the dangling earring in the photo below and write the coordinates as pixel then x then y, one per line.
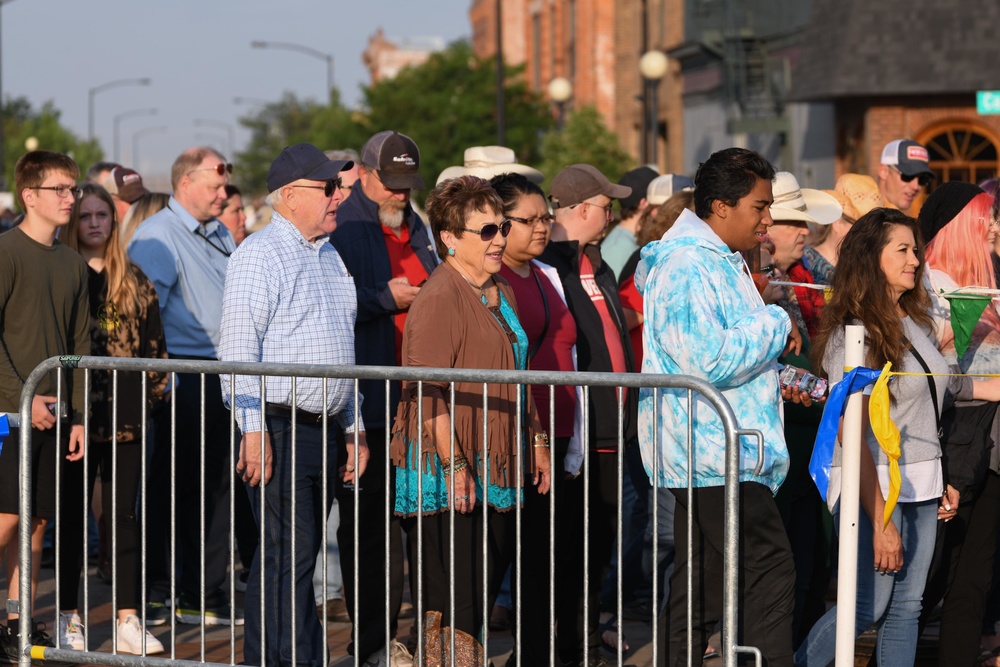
pixel 451 252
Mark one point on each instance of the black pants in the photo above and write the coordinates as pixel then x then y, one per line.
pixel 962 573
pixel 74 511
pixel 191 535
pixel 767 574
pixel 368 633
pixel 469 569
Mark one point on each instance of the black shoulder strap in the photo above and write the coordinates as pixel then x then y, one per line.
pixel 930 383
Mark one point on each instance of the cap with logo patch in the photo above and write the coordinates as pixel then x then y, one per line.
pixel 908 156
pixel 126 184
pixel 396 158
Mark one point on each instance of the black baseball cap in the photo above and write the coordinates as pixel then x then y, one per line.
pixel 637 179
pixel 303 161
pixel 395 157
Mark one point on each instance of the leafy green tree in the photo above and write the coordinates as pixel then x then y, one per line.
pixel 21 121
pixel 584 138
pixel 448 104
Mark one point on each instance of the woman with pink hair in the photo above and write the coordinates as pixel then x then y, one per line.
pixel 960 230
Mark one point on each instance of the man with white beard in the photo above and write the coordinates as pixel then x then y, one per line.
pixel 388 250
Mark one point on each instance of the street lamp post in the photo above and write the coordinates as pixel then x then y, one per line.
pixel 253 101
pixel 158 129
pixel 117 125
pixel 208 122
pixel 309 51
pixel 560 92
pixel 92 93
pixel 653 66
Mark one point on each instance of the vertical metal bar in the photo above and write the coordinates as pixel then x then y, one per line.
pixel 232 518
pixel 113 517
pixel 552 525
pixel 418 464
pixel 58 494
pixel 619 527
pixel 325 492
pixel 690 523
pixel 451 520
pixel 144 411
pixel 84 516
pixel 201 519
pixel 519 485
pixel 172 602
pixel 295 515
pixel 656 525
pixel 262 509
pixel 486 525
pixel 388 515
pixel 355 547
pixel 586 516
pixel 24 522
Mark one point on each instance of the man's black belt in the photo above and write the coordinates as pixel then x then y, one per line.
pixel 285 412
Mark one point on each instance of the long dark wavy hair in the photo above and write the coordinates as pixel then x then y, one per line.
pixel 861 291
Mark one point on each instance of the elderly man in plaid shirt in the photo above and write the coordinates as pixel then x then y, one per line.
pixel 289 299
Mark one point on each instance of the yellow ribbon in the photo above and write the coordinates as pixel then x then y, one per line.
pixel 887 435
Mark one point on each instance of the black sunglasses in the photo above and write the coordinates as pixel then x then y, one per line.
pixel 924 179
pixel 489 231
pixel 327 188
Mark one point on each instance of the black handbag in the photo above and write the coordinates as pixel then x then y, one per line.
pixel 964 431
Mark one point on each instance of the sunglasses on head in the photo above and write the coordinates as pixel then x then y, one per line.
pixel 488 232
pixel 221 169
pixel 924 179
pixel 328 188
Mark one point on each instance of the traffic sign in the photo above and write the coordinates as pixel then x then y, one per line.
pixel 988 102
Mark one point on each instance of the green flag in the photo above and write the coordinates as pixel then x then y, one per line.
pixel 966 309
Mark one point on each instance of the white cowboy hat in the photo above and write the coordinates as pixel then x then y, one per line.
pixel 805 204
pixel 489 161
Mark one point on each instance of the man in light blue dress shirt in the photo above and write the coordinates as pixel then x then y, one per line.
pixel 289 299
pixel 185 249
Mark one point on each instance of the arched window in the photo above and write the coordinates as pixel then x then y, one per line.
pixel 961 150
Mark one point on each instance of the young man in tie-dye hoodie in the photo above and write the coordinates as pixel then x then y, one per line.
pixel 704 317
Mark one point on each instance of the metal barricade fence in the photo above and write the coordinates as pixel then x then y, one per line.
pixel 84 366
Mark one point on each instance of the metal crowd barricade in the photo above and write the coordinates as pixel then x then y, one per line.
pixel 84 366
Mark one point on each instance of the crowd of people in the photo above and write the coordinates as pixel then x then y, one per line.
pixel 726 276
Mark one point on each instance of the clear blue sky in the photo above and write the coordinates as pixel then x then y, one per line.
pixel 198 55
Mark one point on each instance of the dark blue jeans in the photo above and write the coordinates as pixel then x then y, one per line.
pixel 286 598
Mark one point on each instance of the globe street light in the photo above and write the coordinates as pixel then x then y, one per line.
pixel 208 122
pixel 560 92
pixel 159 129
pixel 100 89
pixel 653 66
pixel 117 125
pixel 309 51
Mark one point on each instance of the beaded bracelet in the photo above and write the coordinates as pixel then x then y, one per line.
pixel 448 467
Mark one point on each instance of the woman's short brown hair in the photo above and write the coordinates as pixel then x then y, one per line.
pixel 450 204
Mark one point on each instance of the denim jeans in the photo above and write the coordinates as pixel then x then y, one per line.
pixel 891 600
pixel 334 577
pixel 275 554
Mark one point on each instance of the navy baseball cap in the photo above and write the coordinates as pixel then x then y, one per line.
pixel 303 161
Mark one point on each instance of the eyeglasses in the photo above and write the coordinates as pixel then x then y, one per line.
pixel 923 179
pixel 62 190
pixel 607 209
pixel 544 219
pixel 221 169
pixel 488 232
pixel 768 271
pixel 327 188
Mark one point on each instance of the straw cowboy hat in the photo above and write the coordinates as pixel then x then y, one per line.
pixel 804 204
pixel 858 194
pixel 489 161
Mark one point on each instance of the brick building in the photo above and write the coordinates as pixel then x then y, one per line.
pixel 384 57
pixel 892 70
pixel 596 45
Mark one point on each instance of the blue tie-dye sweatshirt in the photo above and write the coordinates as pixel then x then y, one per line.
pixel 704 317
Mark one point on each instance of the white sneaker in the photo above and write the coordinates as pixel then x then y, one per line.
pixel 71 631
pixel 400 656
pixel 130 634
